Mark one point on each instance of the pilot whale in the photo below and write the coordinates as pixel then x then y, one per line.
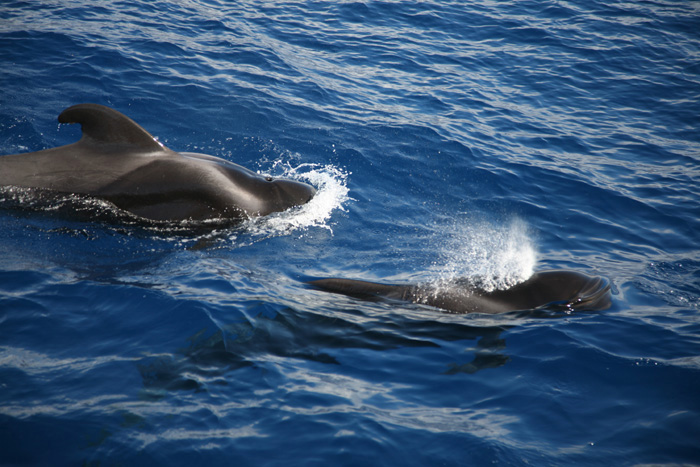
pixel 562 289
pixel 118 161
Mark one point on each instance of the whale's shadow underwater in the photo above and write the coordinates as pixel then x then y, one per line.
pixel 119 162
pixel 560 289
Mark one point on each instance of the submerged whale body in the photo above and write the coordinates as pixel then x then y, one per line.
pixel 564 289
pixel 118 161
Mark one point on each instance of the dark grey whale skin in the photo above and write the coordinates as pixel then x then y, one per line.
pixel 568 289
pixel 120 162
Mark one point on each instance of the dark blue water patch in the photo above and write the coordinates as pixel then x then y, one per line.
pixel 40 432
pixel 21 135
pixel 614 377
pixel 674 281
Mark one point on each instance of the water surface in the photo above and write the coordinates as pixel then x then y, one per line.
pixel 446 140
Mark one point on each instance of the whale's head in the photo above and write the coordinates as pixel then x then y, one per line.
pixel 284 193
pixel 250 193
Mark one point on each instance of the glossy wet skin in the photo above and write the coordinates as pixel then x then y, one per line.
pixel 120 162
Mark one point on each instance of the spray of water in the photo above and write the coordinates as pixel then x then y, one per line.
pixel 331 194
pixel 490 257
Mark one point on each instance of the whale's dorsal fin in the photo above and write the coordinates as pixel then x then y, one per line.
pixel 104 125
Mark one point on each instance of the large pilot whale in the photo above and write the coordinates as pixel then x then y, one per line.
pixel 118 161
pixel 562 289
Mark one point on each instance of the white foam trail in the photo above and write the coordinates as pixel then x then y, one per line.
pixel 492 258
pixel 331 194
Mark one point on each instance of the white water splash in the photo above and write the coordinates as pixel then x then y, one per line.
pixel 331 193
pixel 490 257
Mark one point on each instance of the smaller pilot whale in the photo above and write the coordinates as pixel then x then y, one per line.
pixel 118 161
pixel 564 289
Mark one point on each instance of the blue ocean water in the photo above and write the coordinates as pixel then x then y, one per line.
pixel 446 139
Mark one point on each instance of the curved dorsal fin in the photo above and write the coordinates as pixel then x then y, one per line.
pixel 105 125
